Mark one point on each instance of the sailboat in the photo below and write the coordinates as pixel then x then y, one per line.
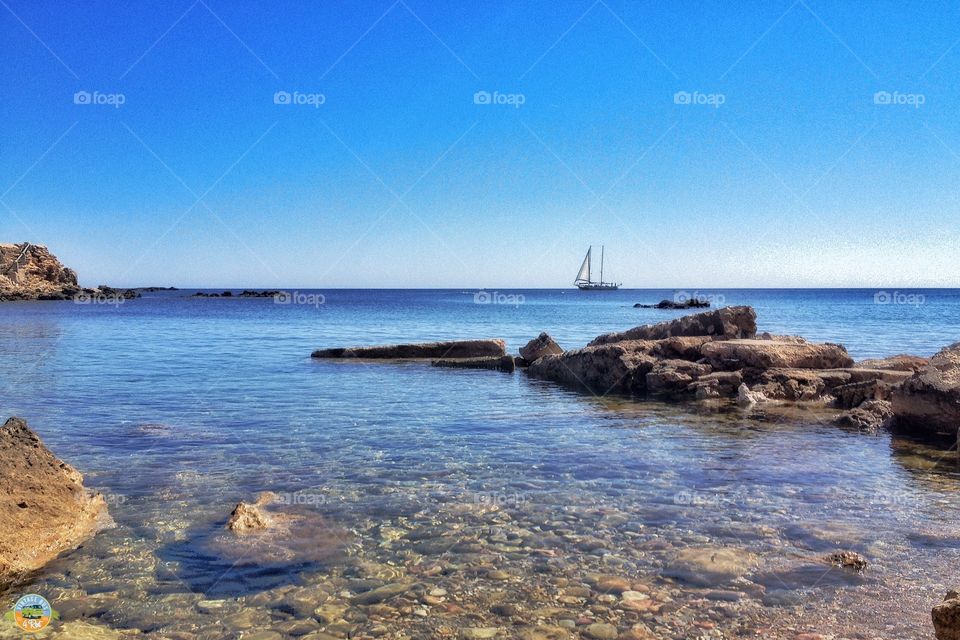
pixel 583 281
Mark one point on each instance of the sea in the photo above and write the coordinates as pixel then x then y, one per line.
pixel 482 487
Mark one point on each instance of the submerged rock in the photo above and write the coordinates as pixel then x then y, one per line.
pixel 440 350
pixel 930 399
pixel 502 363
pixel 728 322
pixel 246 516
pixel 946 617
pixel 747 398
pixel 710 566
pixel 46 508
pixel 848 560
pixel 868 416
pixel 542 345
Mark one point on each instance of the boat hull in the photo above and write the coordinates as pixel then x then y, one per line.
pixel 598 286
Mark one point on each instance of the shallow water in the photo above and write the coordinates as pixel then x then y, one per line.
pixel 485 488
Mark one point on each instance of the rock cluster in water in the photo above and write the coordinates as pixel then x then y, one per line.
pixel 718 355
pixel 691 303
pixel 30 272
pixel 47 510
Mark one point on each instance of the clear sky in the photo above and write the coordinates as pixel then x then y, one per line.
pixel 144 144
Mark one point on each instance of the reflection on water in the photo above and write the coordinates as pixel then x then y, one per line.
pixel 426 502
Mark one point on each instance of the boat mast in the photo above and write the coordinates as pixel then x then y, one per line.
pixel 601 264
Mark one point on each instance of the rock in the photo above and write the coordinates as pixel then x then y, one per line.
pixel 544 632
pixel 479 633
pixel 46 509
pixel 946 617
pixel 848 560
pixel 494 363
pixel 728 322
pixel 796 385
pixel 929 400
pixel 766 354
pixel 690 303
pixel 710 566
pixel 381 594
pixel 901 362
pixel 31 272
pixel 717 384
pixel 600 631
pixel 747 398
pixel 869 416
pixel 619 367
pixel 439 350
pixel 542 345
pixel 250 516
pixel 673 377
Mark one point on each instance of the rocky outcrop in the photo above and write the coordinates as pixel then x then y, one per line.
pixel 868 416
pixel 946 617
pixel 247 516
pixel 542 345
pixel 766 354
pixel 31 272
pixel 506 364
pixel 900 362
pixel 619 368
pixel 434 350
pixel 725 323
pixel 929 400
pixel 45 508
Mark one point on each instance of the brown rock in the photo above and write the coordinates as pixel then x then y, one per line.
pixel 901 362
pixel 439 350
pixel 869 416
pixel 46 509
pixel 799 384
pixel 30 271
pixel 673 377
pixel 930 400
pixel 728 322
pixel 250 516
pixel 946 617
pixel 619 367
pixel 766 354
pixel 848 560
pixel 494 363
pixel 542 345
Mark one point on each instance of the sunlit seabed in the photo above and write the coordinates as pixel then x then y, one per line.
pixel 482 487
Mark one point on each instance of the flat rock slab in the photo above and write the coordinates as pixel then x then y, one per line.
pixel 768 354
pixel 930 399
pixel 422 350
pixel 506 364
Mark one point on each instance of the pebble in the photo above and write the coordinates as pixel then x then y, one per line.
pixel 600 631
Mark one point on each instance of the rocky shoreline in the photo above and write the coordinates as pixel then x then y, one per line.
pixel 718 356
pixel 30 272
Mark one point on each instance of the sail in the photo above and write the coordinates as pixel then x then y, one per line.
pixel 584 273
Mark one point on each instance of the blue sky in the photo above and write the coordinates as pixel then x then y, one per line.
pixel 776 165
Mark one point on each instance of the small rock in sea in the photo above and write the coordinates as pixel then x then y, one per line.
pixel 848 560
pixel 946 617
pixel 246 516
pixel 612 585
pixel 381 594
pixel 542 345
pixel 747 398
pixel 600 631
